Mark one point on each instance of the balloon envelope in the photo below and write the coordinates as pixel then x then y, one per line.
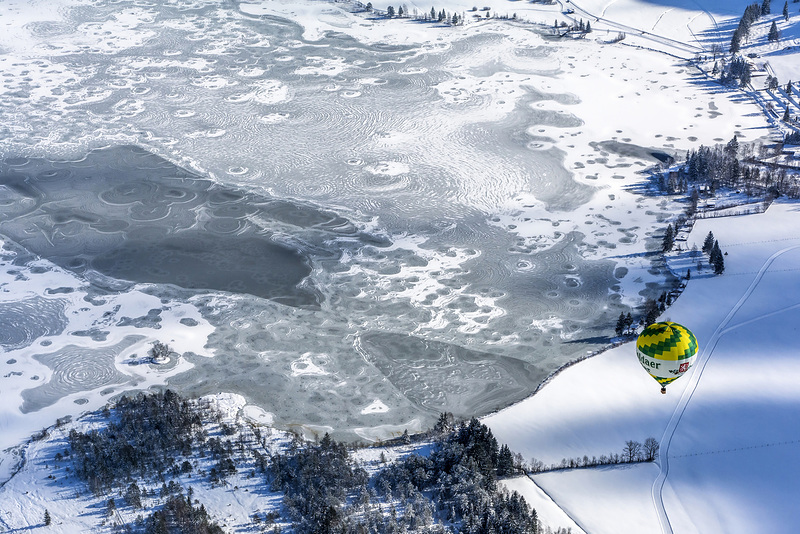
pixel 666 351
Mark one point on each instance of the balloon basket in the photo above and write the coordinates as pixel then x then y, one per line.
pixel 663 391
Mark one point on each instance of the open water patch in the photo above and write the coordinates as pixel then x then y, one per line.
pixel 131 215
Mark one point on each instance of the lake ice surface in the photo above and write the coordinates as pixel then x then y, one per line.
pixel 329 207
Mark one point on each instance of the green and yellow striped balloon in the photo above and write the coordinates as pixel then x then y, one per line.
pixel 666 351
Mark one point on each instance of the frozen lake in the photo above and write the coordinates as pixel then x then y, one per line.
pixel 343 217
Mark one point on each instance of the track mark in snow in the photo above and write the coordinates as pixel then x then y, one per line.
pixel 605 8
pixel 583 530
pixel 694 380
pixel 659 19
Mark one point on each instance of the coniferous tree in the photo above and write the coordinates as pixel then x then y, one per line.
pixel 786 10
pixel 505 462
pixel 716 259
pixel 400 11
pixel 433 13
pixel 47 518
pixel 588 27
pixel 651 311
pixel 786 115
pixel 789 88
pixel 732 148
pixel 736 41
pixel 620 328
pixel 744 80
pixel 669 239
pixel 774 34
pixel 765 7
pixel 708 244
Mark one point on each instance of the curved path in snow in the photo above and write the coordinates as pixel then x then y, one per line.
pixel 694 380
pixel 659 39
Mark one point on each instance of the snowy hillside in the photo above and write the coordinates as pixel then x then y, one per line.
pixel 728 430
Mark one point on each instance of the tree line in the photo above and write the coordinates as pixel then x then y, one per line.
pixel 632 452
pixel 732 166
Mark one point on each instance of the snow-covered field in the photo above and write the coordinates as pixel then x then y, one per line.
pixel 728 429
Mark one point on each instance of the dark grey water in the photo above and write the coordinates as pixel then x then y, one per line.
pixel 327 206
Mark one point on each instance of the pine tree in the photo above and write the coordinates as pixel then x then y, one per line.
pixel 620 328
pixel 716 259
pixel 708 244
pixel 47 519
pixel 390 11
pixel 433 13
pixel 745 77
pixel 789 88
pixel 774 34
pixel 787 117
pixel 651 311
pixel 765 7
pixel 588 27
pixel 400 11
pixel 505 462
pixel 736 41
pixel 786 10
pixel 669 239
pixel 732 148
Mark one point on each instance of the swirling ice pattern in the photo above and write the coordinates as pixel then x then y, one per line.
pixel 76 369
pixel 25 321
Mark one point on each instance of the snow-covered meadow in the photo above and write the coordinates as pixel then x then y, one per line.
pixel 728 429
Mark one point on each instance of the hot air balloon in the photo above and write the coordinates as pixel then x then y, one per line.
pixel 666 351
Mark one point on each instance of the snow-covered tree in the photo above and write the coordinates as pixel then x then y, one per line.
pixel 774 35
